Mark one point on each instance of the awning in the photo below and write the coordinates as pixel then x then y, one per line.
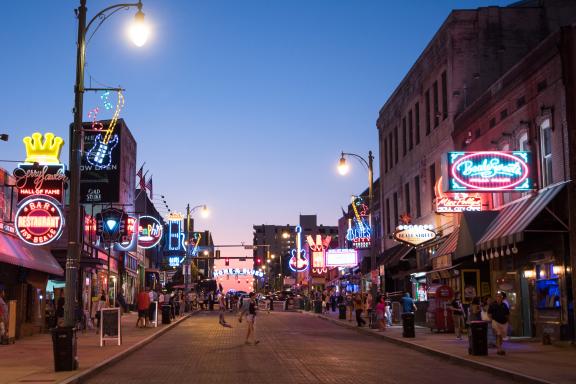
pixel 515 217
pixel 16 252
pixel 449 245
pixel 393 255
pixel 443 273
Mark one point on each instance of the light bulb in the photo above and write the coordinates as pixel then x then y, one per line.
pixel 139 30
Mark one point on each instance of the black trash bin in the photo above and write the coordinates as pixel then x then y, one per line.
pixel 478 338
pixel 166 311
pixel 408 329
pixel 64 347
pixel 342 311
pixel 317 306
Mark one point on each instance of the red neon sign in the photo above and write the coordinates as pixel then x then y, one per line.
pixel 456 202
pixel 489 171
pixel 39 221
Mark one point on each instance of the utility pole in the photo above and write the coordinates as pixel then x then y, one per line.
pixel 187 261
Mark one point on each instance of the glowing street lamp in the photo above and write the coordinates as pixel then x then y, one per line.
pixel 139 29
pixel 343 167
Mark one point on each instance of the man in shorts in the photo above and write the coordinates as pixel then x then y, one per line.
pixel 499 314
pixel 143 302
pixel 251 318
pixel 222 310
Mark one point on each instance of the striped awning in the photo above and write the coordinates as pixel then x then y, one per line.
pixel 512 220
pixel 393 255
pixel 449 245
pixel 14 251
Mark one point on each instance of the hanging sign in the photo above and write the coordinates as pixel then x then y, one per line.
pixel 174 261
pixel 39 220
pixel 489 171
pixel 318 249
pixel 175 241
pixel 149 232
pixel 238 271
pixel 359 230
pixel 341 258
pixel 112 225
pixel 456 202
pixel 298 261
pixel 414 235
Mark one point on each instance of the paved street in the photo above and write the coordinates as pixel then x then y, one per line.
pixel 294 348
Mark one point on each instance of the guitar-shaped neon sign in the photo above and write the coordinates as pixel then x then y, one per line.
pixel 298 262
pixel 100 155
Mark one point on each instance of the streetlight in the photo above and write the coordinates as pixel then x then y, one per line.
pixel 343 169
pixel 75 227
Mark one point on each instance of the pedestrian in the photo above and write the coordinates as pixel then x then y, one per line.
pixel 325 303
pixel 388 310
pixel 222 310
pixel 368 307
pixel 408 305
pixel 349 306
pixel 153 308
pixel 182 303
pixel 121 302
pixel 333 301
pixel 102 303
pixel 457 315
pixel 499 313
pixel 359 307
pixel 143 304
pixel 381 314
pixel 251 319
pixel 3 315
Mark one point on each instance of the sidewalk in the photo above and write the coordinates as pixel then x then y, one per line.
pixel 528 361
pixel 30 360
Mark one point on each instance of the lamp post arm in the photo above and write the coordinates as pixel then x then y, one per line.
pixel 360 158
pixel 102 15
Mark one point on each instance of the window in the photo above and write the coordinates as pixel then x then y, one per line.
pixel 410 131
pixel 523 142
pixel 407 198
pixel 417 196
pixel 390 150
pixel 395 218
pixel 417 122
pixel 444 96
pixel 541 86
pixel 503 114
pixel 388 216
pixel 520 102
pixel 396 145
pixel 436 111
pixel 546 151
pixel 386 152
pixel 404 142
pixel 432 184
pixel 492 122
pixel 427 97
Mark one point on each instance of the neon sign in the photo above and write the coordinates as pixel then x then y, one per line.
pixel 43 152
pixel 100 155
pixel 414 235
pixel 489 171
pixel 39 220
pixel 174 261
pixel 359 230
pixel 456 202
pixel 341 258
pixel 175 232
pixel 238 271
pixel 318 249
pixel 149 232
pixel 298 262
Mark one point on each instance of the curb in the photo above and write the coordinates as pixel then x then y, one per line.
pixel 79 377
pixel 470 363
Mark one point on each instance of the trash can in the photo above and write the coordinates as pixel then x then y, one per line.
pixel 478 338
pixel 408 329
pixel 342 311
pixel 166 309
pixel 317 306
pixel 64 347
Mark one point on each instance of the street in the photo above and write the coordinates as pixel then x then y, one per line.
pixel 294 348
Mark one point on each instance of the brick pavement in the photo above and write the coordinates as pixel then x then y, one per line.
pixel 294 348
pixel 30 360
pixel 545 363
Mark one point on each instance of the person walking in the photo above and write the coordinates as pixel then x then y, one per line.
pixel 457 315
pixel 349 306
pixel 359 308
pixel 381 314
pixel 499 314
pixel 251 319
pixel 143 304
pixel 222 310
pixel 388 310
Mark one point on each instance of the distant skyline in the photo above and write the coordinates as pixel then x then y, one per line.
pixel 241 105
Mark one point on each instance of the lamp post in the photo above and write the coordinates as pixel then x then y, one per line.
pixel 74 217
pixel 343 169
pixel 187 271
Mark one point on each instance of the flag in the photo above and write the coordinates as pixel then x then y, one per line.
pixel 149 187
pixel 140 175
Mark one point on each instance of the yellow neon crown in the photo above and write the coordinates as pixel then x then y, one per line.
pixel 43 152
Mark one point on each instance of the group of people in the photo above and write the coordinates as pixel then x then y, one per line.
pixel 147 300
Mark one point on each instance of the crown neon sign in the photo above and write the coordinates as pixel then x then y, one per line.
pixel 489 171
pixel 45 151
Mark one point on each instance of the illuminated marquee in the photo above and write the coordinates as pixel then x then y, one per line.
pixel 456 202
pixel 175 232
pixel 359 230
pixel 318 249
pixel 149 232
pixel 414 235
pixel 298 261
pixel 174 261
pixel 489 171
pixel 341 258
pixel 238 271
pixel 39 220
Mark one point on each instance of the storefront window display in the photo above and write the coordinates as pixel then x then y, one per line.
pixel 547 286
pixel 419 286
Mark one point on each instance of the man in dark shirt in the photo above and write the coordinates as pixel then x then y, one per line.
pixel 457 315
pixel 251 317
pixel 408 305
pixel 499 313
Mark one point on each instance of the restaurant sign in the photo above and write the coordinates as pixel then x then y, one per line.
pixel 39 220
pixel 489 171
pixel 456 202
pixel 414 235
pixel 149 232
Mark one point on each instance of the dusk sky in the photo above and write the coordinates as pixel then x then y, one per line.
pixel 244 105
